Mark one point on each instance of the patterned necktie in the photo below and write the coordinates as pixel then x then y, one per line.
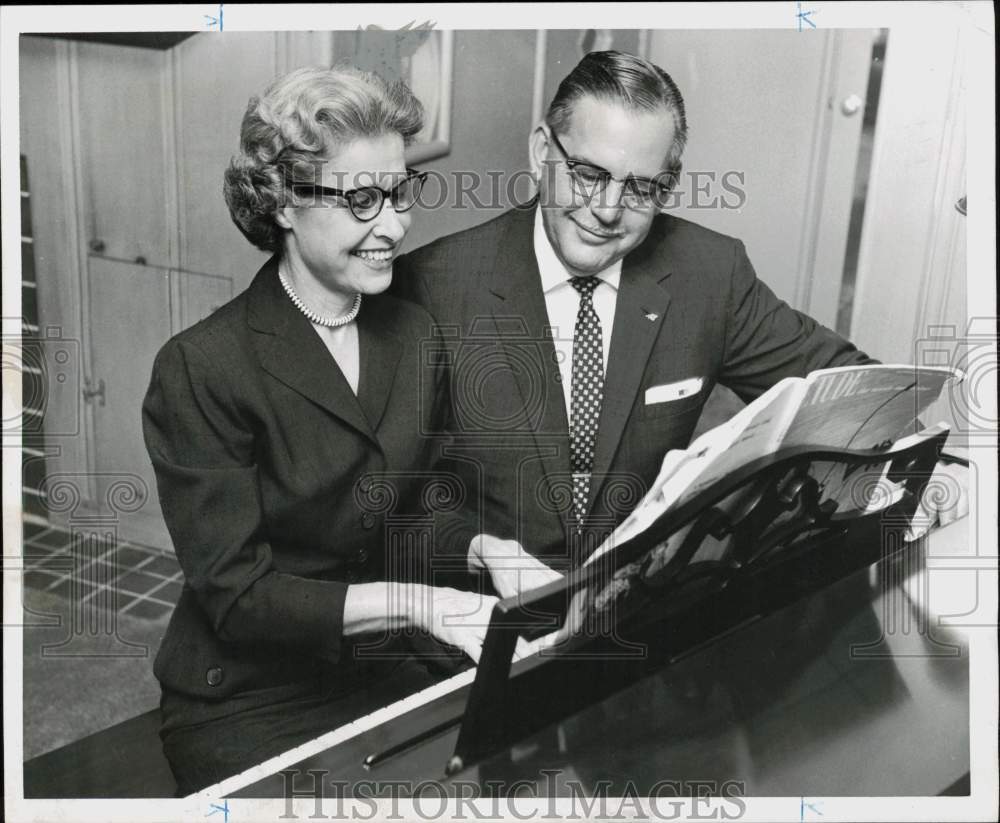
pixel 586 393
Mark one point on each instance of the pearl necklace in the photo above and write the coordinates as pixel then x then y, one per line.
pixel 329 322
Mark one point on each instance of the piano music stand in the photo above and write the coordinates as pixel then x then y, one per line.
pixel 784 539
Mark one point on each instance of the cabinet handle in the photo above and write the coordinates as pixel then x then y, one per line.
pixel 851 105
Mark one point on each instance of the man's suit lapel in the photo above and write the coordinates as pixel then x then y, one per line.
pixel 522 326
pixel 291 351
pixel 640 310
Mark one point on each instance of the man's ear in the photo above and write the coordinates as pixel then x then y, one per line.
pixel 538 146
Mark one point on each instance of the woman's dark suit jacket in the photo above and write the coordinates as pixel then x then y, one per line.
pixel 267 466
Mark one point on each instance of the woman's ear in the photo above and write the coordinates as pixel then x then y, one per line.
pixel 283 217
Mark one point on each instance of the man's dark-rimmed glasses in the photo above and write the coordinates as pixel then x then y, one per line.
pixel 590 181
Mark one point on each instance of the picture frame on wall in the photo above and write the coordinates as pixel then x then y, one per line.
pixel 421 57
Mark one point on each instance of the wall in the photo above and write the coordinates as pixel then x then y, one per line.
pixel 761 103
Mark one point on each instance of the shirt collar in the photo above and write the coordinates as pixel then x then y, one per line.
pixel 551 268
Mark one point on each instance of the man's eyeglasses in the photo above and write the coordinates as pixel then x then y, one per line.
pixel 637 192
pixel 366 202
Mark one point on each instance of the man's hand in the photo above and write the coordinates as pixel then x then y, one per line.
pixel 511 568
pixel 945 499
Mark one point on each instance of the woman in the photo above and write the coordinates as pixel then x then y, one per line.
pixel 268 424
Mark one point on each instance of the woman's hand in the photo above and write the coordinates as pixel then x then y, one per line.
pixel 511 568
pixel 456 618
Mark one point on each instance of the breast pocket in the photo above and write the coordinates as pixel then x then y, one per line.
pixel 672 399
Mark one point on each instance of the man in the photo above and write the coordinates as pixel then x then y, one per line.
pixel 586 332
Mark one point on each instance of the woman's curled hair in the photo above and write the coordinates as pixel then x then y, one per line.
pixel 303 118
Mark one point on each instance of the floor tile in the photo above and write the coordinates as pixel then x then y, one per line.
pixel 31 529
pixel 39 550
pixel 115 598
pixel 71 589
pixel 129 557
pixel 169 592
pixel 39 580
pixel 89 550
pixel 101 573
pixel 138 582
pixel 148 610
pixel 56 562
pixel 162 564
pixel 56 538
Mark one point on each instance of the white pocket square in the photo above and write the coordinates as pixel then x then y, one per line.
pixel 673 391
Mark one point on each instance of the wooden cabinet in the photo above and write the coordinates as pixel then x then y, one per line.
pixel 214 76
pixel 126 327
pixel 128 148
pixel 195 296
pixel 124 152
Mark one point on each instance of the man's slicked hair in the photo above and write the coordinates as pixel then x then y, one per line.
pixel 629 81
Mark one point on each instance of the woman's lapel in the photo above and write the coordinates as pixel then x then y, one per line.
pixel 290 350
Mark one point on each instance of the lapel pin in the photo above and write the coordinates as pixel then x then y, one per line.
pixel 651 317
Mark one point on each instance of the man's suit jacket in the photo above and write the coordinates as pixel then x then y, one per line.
pixel 689 306
pixel 276 482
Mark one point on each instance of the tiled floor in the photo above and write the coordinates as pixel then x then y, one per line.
pixel 136 580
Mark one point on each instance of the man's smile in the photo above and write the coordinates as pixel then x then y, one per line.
pixel 593 234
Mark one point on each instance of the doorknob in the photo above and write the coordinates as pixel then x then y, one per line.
pixel 97 245
pixel 851 105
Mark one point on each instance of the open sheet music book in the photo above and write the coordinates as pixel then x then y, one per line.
pixel 852 407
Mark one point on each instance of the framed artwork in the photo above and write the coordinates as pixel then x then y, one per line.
pixel 422 58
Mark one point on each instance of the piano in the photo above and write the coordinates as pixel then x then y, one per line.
pixel 816 670
pixel 806 661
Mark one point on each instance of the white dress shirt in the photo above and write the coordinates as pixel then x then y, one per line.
pixel 562 302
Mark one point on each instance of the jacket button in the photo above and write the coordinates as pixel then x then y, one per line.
pixel 368 520
pixel 214 676
pixel 365 484
pixel 362 555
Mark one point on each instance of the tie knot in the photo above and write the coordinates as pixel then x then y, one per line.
pixel 584 285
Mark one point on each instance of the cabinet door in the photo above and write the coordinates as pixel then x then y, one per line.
pixel 215 75
pixel 129 320
pixel 123 152
pixel 197 296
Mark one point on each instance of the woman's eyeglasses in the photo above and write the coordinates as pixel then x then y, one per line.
pixel 366 203
pixel 590 181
